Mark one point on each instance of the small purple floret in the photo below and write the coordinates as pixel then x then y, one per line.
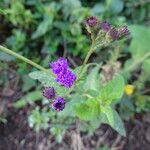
pixel 49 92
pixel 59 66
pixel 67 79
pixel 64 76
pixel 91 21
pixel 124 31
pixel 58 104
pixel 114 33
pixel 105 26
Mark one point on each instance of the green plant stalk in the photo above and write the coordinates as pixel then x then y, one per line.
pixel 83 66
pixel 8 51
pixel 136 63
pixel 86 59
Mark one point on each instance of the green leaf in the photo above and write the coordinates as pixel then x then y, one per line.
pixel 29 98
pixel 39 118
pixel 58 132
pixel 5 57
pixel 90 126
pixel 2 11
pixel 70 105
pixel 45 78
pixel 98 8
pixel 140 44
pixel 93 80
pixel 113 90
pixel 42 28
pixel 3 120
pixel 28 83
pixel 48 80
pixel 78 69
pixel 114 120
pixel 88 110
pixel 115 6
pixel 75 29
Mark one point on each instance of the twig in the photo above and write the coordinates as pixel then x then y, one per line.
pixel 8 51
pixel 117 140
pixel 103 138
pixel 145 91
pixel 72 61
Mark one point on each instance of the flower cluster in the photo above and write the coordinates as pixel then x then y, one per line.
pixel 64 76
pixel 117 33
pixel 58 103
pixel 113 32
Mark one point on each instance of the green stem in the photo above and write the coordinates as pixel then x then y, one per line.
pixel 6 50
pixel 86 60
pixel 136 63
pixel 83 66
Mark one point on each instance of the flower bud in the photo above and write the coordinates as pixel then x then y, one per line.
pixel 58 104
pixel 49 92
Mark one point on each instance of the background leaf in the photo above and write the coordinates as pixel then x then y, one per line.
pixel 115 6
pixel 29 98
pixel 140 44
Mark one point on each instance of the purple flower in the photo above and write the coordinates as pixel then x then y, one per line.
pixel 113 32
pixel 58 104
pixel 91 21
pixel 105 26
pixel 49 92
pixel 59 66
pixel 123 31
pixel 64 76
pixel 66 79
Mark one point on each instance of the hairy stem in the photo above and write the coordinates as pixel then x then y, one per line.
pixel 136 63
pixel 86 60
pixel 82 68
pixel 8 51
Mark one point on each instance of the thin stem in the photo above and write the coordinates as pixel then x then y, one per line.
pixel 136 63
pixel 82 68
pixel 6 50
pixel 86 60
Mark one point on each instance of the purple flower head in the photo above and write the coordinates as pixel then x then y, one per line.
pixel 105 26
pixel 91 21
pixel 49 92
pixel 66 79
pixel 113 32
pixel 59 66
pixel 124 31
pixel 58 104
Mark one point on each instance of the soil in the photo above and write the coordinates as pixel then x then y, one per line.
pixel 16 134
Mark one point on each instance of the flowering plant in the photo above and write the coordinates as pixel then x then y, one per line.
pixel 81 95
pixel 81 92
